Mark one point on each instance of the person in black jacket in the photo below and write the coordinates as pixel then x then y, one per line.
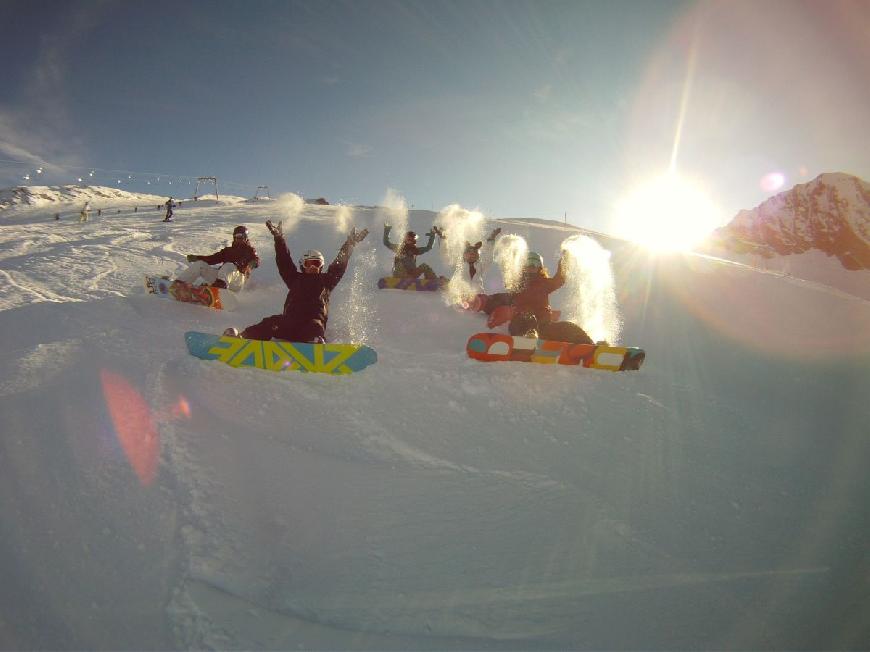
pixel 306 309
pixel 236 263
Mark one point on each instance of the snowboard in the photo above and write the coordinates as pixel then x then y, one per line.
pixel 418 284
pixel 276 355
pixel 203 295
pixel 496 347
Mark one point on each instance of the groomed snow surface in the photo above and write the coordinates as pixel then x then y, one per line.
pixel 716 499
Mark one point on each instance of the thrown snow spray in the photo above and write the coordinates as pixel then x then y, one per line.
pixel 394 212
pixel 290 207
pixel 510 255
pixel 358 316
pixel 591 299
pixel 343 219
pixel 460 226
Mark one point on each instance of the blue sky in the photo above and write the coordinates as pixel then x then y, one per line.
pixel 519 109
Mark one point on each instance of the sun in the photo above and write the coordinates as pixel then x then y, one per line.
pixel 667 213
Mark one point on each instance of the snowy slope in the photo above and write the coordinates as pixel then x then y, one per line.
pixel 151 500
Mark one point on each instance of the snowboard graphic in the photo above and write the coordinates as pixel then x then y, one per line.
pixel 180 291
pixel 418 284
pixel 335 359
pixel 496 347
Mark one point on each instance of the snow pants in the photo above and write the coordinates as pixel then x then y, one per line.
pixel 556 331
pixel 279 327
pixel 415 272
pixel 230 275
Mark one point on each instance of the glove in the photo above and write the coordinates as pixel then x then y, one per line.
pixel 274 229
pixel 493 235
pixel 387 227
pixel 192 257
pixel 355 236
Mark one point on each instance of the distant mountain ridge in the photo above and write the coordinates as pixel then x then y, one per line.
pixel 39 196
pixel 830 214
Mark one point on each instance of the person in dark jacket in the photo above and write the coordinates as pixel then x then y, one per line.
pixel 405 262
pixel 533 316
pixel 170 204
pixel 236 263
pixel 306 308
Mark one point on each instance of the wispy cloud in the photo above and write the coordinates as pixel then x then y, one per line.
pixel 542 94
pixel 36 128
pixel 358 150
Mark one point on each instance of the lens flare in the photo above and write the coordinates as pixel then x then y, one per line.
pixel 772 181
pixel 181 408
pixel 134 425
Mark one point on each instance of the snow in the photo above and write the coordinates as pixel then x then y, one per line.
pixel 717 498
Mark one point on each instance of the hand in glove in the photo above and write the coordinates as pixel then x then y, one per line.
pixel 355 236
pixel 274 229
pixel 493 235
pixel 192 257
pixel 387 227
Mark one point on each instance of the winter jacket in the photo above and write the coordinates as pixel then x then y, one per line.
pixel 405 262
pixel 241 254
pixel 533 295
pixel 308 297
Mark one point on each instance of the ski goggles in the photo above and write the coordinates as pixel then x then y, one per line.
pixel 312 263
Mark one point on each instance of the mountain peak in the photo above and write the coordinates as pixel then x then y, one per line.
pixel 831 214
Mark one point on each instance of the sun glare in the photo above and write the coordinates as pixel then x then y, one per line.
pixel 667 214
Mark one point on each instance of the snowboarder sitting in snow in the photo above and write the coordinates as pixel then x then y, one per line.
pixel 242 256
pixel 405 262
pixel 306 308
pixel 532 313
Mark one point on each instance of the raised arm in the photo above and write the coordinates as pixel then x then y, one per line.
pixel 558 280
pixel 338 266
pixel 423 250
pixel 283 260
pixel 387 242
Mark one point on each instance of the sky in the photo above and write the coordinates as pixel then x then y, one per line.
pixel 716 499
pixel 559 110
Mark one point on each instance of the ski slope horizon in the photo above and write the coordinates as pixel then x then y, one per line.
pixel 717 498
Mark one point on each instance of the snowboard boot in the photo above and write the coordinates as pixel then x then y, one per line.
pixel 232 332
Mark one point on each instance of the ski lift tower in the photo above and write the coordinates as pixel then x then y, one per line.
pixel 265 194
pixel 204 180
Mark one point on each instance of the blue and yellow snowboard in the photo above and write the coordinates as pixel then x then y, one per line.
pixel 276 355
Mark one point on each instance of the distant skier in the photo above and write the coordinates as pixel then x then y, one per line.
pixel 233 276
pixel 306 308
pixel 169 206
pixel 85 215
pixel 405 262
pixel 533 316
